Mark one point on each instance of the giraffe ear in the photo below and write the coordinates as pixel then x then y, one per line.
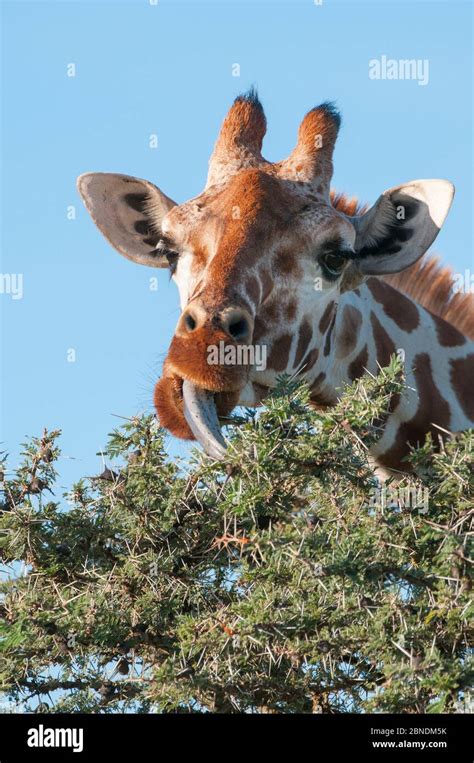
pixel 401 226
pixel 128 211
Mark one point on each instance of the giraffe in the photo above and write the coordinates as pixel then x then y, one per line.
pixel 268 255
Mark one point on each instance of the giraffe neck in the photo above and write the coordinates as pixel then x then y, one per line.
pixel 360 332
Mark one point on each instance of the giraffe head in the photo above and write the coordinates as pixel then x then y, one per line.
pixel 257 257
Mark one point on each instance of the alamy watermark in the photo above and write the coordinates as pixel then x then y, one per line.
pixel 401 497
pixel 42 736
pixel 463 283
pixel 237 355
pixel 12 284
pixel 416 69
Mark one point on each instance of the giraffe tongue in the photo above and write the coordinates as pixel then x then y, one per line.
pixel 201 415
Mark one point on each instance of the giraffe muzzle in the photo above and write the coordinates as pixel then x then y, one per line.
pixel 235 322
pixel 209 362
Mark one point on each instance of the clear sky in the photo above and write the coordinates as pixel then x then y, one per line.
pixel 167 69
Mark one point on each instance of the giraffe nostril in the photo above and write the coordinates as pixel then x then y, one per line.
pixel 189 322
pixel 238 329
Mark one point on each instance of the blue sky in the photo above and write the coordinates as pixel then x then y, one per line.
pixel 166 69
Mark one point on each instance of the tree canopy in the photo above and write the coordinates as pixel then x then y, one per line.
pixel 286 579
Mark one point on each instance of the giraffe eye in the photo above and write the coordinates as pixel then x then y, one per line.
pixel 333 263
pixel 172 258
pixel 166 254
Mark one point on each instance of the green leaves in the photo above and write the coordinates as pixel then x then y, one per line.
pixel 12 637
pixel 288 579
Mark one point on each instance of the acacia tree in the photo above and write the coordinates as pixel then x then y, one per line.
pixel 285 579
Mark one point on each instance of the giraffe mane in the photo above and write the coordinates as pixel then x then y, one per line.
pixel 427 282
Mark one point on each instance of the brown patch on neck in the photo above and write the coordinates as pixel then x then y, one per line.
pixel 462 379
pixel 396 306
pixel 384 345
pixel 432 285
pixel 432 409
pixel 448 336
pixel 358 366
pixel 348 333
